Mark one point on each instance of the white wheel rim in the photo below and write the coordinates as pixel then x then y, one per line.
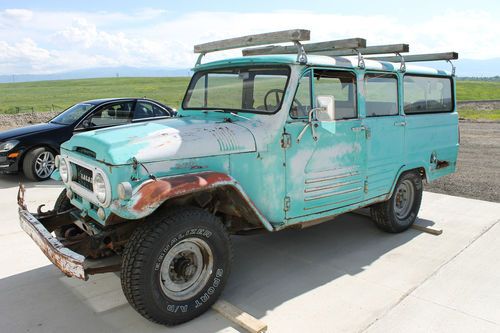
pixel 44 164
pixel 403 199
pixel 186 268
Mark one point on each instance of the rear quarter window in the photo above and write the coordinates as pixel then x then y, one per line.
pixel 427 94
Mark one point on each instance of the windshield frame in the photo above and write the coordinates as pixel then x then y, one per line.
pixel 198 74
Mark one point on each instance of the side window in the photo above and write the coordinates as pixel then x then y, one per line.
pixel 159 112
pixel 302 101
pixel 425 94
pixel 340 85
pixel 143 110
pixel 114 114
pixel 381 95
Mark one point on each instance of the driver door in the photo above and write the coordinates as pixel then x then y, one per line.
pixel 324 174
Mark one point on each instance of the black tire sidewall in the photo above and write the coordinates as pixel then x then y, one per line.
pixel 403 224
pixel 29 163
pixel 160 305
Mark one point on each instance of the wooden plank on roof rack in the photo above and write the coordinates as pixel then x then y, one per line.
pixel 350 43
pixel 420 57
pixel 254 40
pixel 375 49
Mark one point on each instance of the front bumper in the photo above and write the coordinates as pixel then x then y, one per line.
pixel 39 227
pixel 9 165
pixel 68 261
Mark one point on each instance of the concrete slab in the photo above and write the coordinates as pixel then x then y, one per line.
pixel 345 275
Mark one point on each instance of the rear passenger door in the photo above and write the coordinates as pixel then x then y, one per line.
pixel 385 132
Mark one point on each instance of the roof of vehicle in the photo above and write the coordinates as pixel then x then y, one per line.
pixel 321 60
pixel 118 99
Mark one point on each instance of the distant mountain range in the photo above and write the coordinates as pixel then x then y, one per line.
pixel 97 73
pixel 465 68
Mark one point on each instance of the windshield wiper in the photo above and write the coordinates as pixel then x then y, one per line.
pixel 232 113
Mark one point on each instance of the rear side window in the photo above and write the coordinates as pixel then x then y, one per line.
pixel 381 95
pixel 426 94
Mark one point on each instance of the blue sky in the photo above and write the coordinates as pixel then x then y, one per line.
pixel 56 36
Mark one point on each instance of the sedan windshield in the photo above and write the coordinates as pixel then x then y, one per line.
pixel 72 114
pixel 259 90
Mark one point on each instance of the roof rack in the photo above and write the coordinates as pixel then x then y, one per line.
pixel 351 43
pixel 447 56
pixel 294 35
pixel 334 48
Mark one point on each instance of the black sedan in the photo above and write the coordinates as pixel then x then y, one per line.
pixel 32 149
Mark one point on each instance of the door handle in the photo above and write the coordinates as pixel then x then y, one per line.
pixel 400 123
pixel 358 129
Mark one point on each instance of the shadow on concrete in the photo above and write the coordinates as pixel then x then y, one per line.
pixel 268 270
pixel 13 180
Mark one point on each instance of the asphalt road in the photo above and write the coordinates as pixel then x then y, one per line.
pixel 343 275
pixel 478 167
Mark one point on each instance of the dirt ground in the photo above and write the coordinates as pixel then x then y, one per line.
pixel 478 167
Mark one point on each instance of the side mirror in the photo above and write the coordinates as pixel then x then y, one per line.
pixel 325 108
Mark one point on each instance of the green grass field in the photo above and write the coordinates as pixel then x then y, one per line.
pixel 47 95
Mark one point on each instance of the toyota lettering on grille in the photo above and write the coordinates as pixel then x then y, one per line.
pixel 85 177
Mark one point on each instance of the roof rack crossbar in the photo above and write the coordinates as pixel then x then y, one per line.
pixel 294 35
pixel 420 57
pixel 375 49
pixel 351 43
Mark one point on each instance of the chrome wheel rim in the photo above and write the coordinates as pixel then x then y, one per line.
pixel 403 200
pixel 186 268
pixel 44 164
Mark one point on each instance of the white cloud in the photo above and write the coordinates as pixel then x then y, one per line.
pixel 59 41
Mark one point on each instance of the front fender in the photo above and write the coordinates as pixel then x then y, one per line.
pixel 153 193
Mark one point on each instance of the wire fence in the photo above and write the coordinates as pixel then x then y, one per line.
pixel 31 109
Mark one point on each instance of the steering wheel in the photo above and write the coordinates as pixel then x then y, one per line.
pixel 278 98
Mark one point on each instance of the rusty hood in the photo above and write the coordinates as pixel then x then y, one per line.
pixel 167 139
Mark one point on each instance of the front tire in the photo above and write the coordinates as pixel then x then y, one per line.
pixel 400 211
pixel 176 265
pixel 39 164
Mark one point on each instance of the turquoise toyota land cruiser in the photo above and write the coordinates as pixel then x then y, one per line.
pixel 286 136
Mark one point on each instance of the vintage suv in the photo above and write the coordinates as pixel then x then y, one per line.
pixel 283 137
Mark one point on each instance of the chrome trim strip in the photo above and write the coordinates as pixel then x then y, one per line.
pixel 332 194
pixel 324 179
pixel 321 188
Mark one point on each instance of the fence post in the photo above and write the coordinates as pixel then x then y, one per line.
pixel 17 109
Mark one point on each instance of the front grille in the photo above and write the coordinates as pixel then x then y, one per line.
pixel 84 177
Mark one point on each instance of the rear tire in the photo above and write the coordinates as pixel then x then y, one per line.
pixel 399 212
pixel 38 164
pixel 175 266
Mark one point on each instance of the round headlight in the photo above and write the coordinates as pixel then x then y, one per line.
pixel 63 170
pixel 100 187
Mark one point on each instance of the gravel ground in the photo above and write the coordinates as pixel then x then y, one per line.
pixel 478 167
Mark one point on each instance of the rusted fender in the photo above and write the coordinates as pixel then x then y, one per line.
pixel 151 194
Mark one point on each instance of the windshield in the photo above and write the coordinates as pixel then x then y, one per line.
pixel 72 114
pixel 259 90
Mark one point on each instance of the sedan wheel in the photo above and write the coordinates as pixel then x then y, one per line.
pixel 39 164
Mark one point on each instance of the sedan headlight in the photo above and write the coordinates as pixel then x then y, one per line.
pixel 8 145
pixel 63 169
pixel 100 187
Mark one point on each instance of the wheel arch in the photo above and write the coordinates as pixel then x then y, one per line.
pixel 408 168
pixel 218 192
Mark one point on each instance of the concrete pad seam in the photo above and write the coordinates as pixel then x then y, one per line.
pixel 453 309
pixel 409 292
